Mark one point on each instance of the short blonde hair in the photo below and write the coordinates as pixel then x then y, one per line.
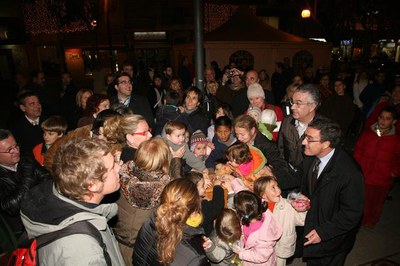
pixel 77 165
pixel 56 124
pixel 153 155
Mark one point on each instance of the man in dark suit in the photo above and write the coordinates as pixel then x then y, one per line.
pixel 137 103
pixel 26 129
pixel 334 183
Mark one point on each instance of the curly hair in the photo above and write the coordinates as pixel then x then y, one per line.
pixel 239 153
pixel 153 155
pixel 77 165
pixel 248 206
pixel 179 200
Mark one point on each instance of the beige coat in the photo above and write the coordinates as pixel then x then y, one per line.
pixel 289 218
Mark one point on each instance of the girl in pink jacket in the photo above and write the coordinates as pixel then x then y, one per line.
pixel 260 230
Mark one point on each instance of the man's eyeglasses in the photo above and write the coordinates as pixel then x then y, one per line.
pixel 310 140
pixel 11 149
pixel 125 82
pixel 298 103
pixel 144 133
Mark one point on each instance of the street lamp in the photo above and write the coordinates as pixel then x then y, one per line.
pixel 305 13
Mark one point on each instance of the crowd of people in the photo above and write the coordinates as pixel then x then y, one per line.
pixel 245 171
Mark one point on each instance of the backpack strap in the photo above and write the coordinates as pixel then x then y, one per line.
pixel 81 227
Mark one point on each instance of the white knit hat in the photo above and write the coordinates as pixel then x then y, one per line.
pixel 268 116
pixel 255 90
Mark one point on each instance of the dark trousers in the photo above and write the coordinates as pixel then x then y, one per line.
pixel 334 260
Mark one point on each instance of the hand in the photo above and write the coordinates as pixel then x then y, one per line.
pixel 217 182
pixel 227 185
pixel 181 109
pixel 207 183
pixel 237 72
pixel 313 238
pixel 227 178
pixel 301 204
pixel 207 242
pixel 211 145
pixel 178 153
pixel 265 171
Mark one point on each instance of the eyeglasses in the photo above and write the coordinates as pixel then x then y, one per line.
pixel 11 149
pixel 298 103
pixel 310 140
pixel 144 133
pixel 125 82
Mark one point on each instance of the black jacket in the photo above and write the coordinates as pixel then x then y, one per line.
pixel 26 134
pixel 14 185
pixel 188 252
pixel 198 120
pixel 139 105
pixel 337 204
pixel 287 179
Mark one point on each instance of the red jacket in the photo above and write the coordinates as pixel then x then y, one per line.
pixel 38 152
pixel 379 157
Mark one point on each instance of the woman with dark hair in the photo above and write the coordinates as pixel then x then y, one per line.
pixel 192 106
pixel 94 105
pixel 172 236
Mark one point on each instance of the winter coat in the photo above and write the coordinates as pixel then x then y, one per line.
pixel 379 157
pixel 14 185
pixel 169 113
pixel 45 210
pixel 198 120
pixel 189 157
pixel 337 204
pixel 38 152
pixel 280 168
pixel 259 248
pixel 288 218
pixel 220 253
pixel 188 252
pixel 140 194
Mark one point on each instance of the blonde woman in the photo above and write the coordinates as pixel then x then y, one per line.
pixel 172 235
pixel 142 181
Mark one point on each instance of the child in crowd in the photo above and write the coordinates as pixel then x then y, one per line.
pixel 254 112
pixel 221 110
pixel 267 188
pixel 210 208
pixel 268 125
pixel 175 135
pixel 53 128
pixel 169 111
pixel 226 234
pixel 247 161
pixel 200 146
pixel 260 230
pixel 222 140
pixel 378 153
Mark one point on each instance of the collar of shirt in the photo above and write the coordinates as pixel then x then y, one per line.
pixel 126 101
pixel 325 160
pixel 301 128
pixel 12 168
pixel 33 122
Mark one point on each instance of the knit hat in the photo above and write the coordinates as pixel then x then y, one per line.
pixel 197 137
pixel 268 116
pixel 255 90
pixel 254 111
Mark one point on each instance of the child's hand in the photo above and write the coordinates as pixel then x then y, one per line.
pixel 178 153
pixel 227 178
pixel 207 183
pixel 207 242
pixel 301 204
pixel 227 185
pixel 217 182
pixel 211 145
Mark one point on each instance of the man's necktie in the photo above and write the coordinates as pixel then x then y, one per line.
pixel 314 177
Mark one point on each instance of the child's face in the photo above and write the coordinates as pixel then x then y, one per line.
pixel 201 188
pixel 187 137
pixel 50 137
pixel 255 116
pixel 200 149
pixel 223 133
pixel 177 136
pixel 272 192
pixel 220 112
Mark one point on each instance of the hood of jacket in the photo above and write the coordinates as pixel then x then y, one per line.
pixel 45 210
